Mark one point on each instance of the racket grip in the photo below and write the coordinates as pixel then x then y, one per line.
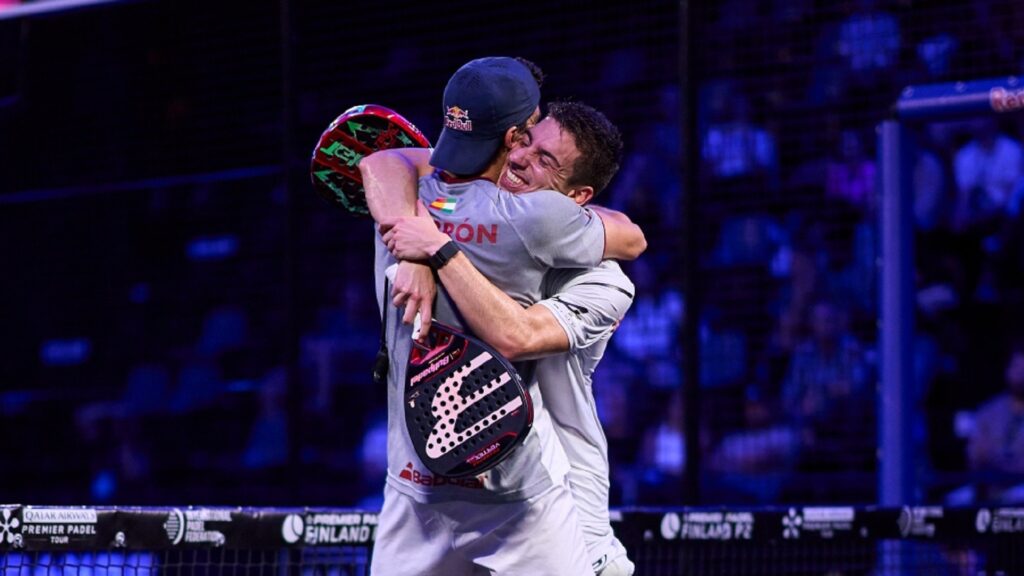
pixel 417 326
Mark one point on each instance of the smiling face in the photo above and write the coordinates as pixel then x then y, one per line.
pixel 543 159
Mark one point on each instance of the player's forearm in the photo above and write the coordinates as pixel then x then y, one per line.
pixel 497 319
pixel 623 240
pixel 390 178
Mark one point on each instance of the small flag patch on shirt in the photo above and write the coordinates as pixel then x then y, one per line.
pixel 446 205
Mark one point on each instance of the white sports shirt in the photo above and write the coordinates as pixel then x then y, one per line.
pixel 588 304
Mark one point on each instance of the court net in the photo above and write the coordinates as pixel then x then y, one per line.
pixel 80 541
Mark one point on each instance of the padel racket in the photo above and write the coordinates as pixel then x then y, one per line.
pixel 466 408
pixel 359 131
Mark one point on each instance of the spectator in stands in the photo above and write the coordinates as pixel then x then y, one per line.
pixel 664 450
pixel 207 365
pixel 337 339
pixel 622 68
pixel 800 263
pixel 817 421
pixel 1002 23
pixel 851 193
pixel 112 432
pixel 649 185
pixel 995 449
pixel 734 146
pixel 827 366
pixel 855 59
pixel 373 460
pixel 267 444
pixel 723 350
pixel 826 393
pixel 868 41
pixel 649 335
pixel 756 460
pixel 747 240
pixel 850 173
pixel 936 54
pixel 619 406
pixel 931 205
pixel 988 170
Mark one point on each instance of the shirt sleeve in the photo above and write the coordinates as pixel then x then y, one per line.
pixel 555 230
pixel 588 304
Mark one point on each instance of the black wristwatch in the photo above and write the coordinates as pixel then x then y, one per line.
pixel 443 255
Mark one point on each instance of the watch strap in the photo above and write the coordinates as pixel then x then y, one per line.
pixel 443 255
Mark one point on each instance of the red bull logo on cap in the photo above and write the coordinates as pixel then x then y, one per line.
pixel 457 118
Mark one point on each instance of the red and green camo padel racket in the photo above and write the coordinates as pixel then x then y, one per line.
pixel 466 408
pixel 359 131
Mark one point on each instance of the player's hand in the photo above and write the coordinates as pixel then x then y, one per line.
pixel 413 237
pixel 415 289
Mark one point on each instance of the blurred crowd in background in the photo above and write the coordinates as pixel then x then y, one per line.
pixel 185 322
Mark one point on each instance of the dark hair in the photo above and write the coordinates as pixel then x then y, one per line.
pixel 534 69
pixel 597 139
pixel 538 77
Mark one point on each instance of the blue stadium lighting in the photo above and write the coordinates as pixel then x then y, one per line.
pixel 65 352
pixel 208 248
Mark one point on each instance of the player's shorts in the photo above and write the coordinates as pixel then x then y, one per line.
pixel 540 535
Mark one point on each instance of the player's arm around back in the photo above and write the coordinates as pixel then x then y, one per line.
pixel 623 240
pixel 391 180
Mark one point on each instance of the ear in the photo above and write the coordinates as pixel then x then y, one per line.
pixel 512 137
pixel 581 195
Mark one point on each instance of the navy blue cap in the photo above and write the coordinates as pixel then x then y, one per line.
pixel 483 99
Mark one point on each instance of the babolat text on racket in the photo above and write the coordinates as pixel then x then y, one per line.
pixel 466 408
pixel 359 131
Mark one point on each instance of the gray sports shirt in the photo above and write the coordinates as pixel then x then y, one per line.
pixel 513 240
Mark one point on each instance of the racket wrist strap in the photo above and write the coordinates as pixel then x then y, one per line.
pixel 382 362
